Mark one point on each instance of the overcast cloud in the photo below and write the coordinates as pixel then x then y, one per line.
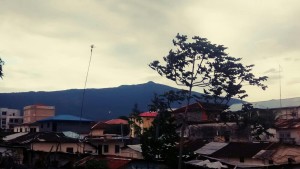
pixel 46 44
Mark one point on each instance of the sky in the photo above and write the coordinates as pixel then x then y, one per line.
pixel 46 44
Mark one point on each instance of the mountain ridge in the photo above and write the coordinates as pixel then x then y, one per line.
pixel 99 103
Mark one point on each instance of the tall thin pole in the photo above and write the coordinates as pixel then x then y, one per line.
pixel 84 88
pixel 280 90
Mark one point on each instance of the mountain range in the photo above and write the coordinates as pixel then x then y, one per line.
pixel 99 104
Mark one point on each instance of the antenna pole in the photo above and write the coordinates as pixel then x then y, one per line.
pixel 86 77
pixel 280 90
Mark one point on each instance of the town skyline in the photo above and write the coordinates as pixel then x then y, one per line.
pixel 46 45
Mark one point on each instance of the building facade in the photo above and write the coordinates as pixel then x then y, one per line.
pixel 10 118
pixel 37 112
pixel 144 122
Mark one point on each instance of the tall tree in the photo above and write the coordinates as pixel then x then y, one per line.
pixel 1 64
pixel 159 141
pixel 199 63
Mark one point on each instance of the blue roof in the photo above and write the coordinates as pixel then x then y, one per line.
pixel 65 118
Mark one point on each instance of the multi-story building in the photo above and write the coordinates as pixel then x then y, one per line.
pixel 144 122
pixel 37 112
pixel 32 114
pixel 10 118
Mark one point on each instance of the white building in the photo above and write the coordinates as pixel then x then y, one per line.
pixel 9 118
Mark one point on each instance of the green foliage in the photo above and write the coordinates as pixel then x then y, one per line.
pixel 159 141
pixel 96 164
pixel 202 64
pixel 256 121
pixel 199 63
pixel 1 64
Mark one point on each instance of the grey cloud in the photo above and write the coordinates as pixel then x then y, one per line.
pixel 272 70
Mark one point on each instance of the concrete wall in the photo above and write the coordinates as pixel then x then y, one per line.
pixel 111 148
pixel 34 113
pixel 9 118
pixel 97 132
pixel 130 153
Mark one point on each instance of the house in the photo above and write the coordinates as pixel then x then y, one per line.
pixel 110 136
pixel 145 122
pixel 287 131
pixel 200 112
pixel 239 154
pixel 44 149
pixel 61 123
pixel 32 114
pixel 132 151
pixel 26 127
pixel 109 145
pixel 9 118
pixel 117 127
pixel 51 142
pixel 282 108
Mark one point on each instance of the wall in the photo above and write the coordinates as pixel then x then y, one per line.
pixel 97 132
pixel 77 147
pixel 130 153
pixel 10 118
pixel 25 128
pixel 111 147
pixel 291 136
pixel 75 126
pixel 34 113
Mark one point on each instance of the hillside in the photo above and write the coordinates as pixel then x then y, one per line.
pixel 99 104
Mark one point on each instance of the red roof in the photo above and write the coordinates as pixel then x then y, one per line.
pixel 100 125
pixel 117 163
pixel 148 114
pixel 117 121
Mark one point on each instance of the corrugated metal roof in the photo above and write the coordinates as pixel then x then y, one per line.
pixel 210 148
pixel 13 136
pixel 65 118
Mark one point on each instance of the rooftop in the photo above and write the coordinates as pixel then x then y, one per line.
pixel 65 118
pixel 117 121
pixel 148 114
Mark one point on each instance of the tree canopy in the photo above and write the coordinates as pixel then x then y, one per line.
pixel 199 63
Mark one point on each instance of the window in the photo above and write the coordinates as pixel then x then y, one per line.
pixel 16 120
pixel 4 113
pixel 105 148
pixel 13 114
pixel 11 120
pixel 48 125
pixel 69 150
pixel 42 125
pixel 21 130
pixel 117 149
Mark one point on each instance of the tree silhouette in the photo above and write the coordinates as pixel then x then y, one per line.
pixel 200 63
